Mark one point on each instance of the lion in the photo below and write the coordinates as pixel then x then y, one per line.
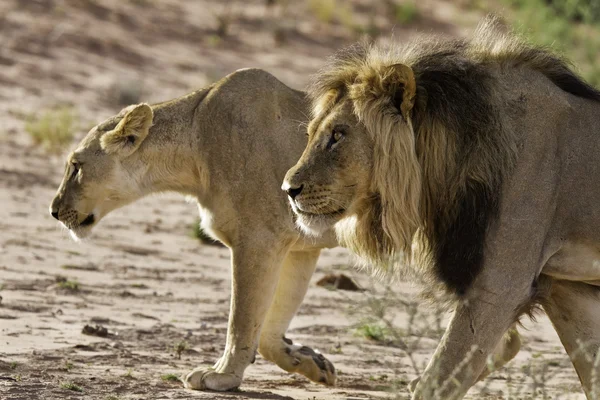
pixel 474 163
pixel 227 146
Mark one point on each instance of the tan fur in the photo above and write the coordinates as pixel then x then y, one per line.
pixel 130 131
pixel 227 146
pixel 488 176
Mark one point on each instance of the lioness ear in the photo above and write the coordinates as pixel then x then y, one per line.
pixel 129 132
pixel 398 82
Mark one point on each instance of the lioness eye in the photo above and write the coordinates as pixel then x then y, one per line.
pixel 75 169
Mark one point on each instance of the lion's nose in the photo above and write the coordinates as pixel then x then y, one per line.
pixel 54 213
pixel 293 192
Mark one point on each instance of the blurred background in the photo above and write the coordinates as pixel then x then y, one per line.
pixel 74 62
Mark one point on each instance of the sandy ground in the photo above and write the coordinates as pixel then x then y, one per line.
pixel 141 275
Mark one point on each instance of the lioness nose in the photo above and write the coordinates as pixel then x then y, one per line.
pixel 293 192
pixel 54 213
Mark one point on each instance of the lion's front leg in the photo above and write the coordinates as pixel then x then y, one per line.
pixel 573 309
pixel 298 268
pixel 476 328
pixel 255 275
pixel 506 349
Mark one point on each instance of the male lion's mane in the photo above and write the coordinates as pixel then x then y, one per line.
pixel 438 170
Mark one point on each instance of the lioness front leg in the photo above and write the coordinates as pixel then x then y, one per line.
pixel 298 268
pixel 255 272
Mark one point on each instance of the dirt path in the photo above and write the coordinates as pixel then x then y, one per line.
pixel 141 276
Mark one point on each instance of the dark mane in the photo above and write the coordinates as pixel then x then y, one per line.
pixel 458 132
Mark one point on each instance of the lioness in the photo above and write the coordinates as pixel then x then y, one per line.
pixel 228 146
pixel 476 163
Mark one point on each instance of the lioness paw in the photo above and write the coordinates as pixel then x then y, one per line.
pixel 206 378
pixel 312 364
pixel 293 357
pixel 308 362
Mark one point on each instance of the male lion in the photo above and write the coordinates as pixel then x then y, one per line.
pixel 475 162
pixel 228 146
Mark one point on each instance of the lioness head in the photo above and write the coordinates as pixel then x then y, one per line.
pixel 102 173
pixel 359 171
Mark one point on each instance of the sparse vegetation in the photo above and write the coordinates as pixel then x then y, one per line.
pixel 406 12
pixel 128 374
pixel 71 386
pixel 66 284
pixel 139 286
pixel 13 365
pixel 554 27
pixel 337 349
pixel 170 378
pixel 54 129
pixel 324 10
pixel 577 10
pixel 376 313
pixel 68 365
pixel 372 331
pixel 179 348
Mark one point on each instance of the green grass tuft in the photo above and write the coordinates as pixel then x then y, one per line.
pixel 180 347
pixel 71 286
pixel 170 378
pixel 372 331
pixel 406 12
pixel 549 26
pixel 71 386
pixel 68 365
pixel 54 129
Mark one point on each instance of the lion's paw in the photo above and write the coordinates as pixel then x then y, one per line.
pixel 311 364
pixel 205 378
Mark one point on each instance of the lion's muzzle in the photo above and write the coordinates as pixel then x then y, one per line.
pixel 292 192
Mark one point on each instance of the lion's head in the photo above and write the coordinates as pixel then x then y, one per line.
pixel 410 145
pixel 360 171
pixel 101 174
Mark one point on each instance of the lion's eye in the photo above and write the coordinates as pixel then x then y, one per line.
pixel 335 137
pixel 76 168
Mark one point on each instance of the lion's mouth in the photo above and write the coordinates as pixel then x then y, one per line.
pixel 89 220
pixel 315 224
pixel 335 213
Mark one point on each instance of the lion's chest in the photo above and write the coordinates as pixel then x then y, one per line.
pixel 575 262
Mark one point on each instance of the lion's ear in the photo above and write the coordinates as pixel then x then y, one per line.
pixel 130 132
pixel 398 82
